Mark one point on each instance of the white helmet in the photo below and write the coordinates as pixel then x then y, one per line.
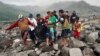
pixel 20 16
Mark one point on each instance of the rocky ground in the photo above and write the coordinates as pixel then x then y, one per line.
pixel 89 45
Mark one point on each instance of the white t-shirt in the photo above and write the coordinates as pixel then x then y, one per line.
pixel 32 20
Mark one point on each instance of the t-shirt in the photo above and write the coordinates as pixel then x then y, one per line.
pixel 65 22
pixel 66 25
pixel 32 20
pixel 62 18
pixel 73 18
pixel 46 18
pixel 78 26
pixel 40 21
pixel 53 21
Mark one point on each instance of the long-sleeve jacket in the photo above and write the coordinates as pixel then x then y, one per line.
pixel 22 24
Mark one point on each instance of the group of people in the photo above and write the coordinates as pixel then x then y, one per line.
pixel 48 29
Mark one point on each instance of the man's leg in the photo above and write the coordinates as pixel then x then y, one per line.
pixel 78 35
pixel 48 36
pixel 25 38
pixel 32 35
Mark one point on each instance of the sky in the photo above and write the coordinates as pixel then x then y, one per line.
pixel 45 2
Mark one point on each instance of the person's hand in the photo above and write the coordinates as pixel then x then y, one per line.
pixel 5 31
pixel 45 24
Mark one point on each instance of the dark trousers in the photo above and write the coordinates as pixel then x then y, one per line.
pixel 32 35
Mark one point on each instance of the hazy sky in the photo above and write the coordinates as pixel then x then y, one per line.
pixel 45 2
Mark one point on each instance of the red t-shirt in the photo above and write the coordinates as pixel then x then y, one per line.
pixel 46 18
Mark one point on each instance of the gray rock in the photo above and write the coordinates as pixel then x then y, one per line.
pixel 42 45
pixel 98 40
pixel 52 52
pixel 76 43
pixel 55 46
pixel 20 48
pixel 88 52
pixel 32 54
pixel 99 34
pixel 97 48
pixel 65 51
pixel 45 54
pixel 5 43
pixel 58 53
pixel 92 37
pixel 38 52
pixel 16 43
pixel 24 53
pixel 75 52
pixel 97 27
pixel 47 48
pixel 87 26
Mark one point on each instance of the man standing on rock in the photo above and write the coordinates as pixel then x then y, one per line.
pixel 51 24
pixel 32 28
pixel 77 28
pixel 23 24
pixel 64 19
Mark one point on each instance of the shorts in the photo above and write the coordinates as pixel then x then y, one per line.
pixel 48 34
pixel 58 31
pixel 65 32
pixel 51 35
pixel 76 34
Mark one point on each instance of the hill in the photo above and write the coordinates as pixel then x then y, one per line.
pixel 10 12
pixel 81 7
pixel 7 12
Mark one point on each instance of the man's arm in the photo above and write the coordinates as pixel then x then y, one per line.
pixel 32 23
pixel 14 24
pixel 53 21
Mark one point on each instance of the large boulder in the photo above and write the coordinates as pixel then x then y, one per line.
pixel 76 43
pixel 75 52
pixel 92 37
